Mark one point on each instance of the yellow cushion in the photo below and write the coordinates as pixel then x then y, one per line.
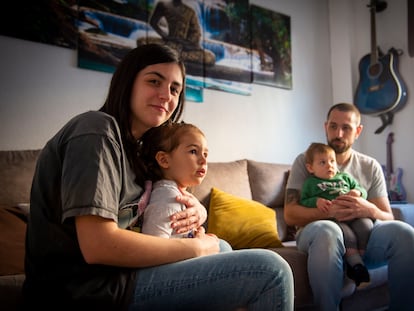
pixel 241 222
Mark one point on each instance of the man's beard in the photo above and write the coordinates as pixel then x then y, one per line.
pixel 338 148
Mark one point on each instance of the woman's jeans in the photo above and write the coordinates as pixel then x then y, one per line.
pixel 255 279
pixel 391 242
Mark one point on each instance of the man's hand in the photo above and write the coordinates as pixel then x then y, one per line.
pixel 192 217
pixel 346 207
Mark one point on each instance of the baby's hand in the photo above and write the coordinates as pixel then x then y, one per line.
pixel 354 193
pixel 323 205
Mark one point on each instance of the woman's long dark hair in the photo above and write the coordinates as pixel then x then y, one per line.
pixel 118 101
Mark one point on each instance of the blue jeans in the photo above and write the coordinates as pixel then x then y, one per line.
pixel 255 279
pixel 391 242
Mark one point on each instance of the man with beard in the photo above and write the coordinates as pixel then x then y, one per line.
pixel 390 243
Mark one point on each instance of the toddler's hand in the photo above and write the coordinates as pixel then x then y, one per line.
pixel 323 205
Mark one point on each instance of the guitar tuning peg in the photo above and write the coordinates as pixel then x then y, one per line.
pixel 378 5
pixel 381 6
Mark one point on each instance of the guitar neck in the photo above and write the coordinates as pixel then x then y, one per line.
pixel 374 50
pixel 390 140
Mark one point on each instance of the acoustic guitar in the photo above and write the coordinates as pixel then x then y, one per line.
pixel 396 190
pixel 380 91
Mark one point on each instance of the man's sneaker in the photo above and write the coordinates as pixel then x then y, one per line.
pixel 359 274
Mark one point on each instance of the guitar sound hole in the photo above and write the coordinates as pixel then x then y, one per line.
pixel 374 71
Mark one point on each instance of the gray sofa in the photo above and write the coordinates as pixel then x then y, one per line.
pixel 252 180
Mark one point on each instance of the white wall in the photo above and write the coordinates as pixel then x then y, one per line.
pixel 275 124
pixel 350 41
pixel 41 88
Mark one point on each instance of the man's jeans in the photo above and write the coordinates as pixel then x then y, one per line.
pixel 391 242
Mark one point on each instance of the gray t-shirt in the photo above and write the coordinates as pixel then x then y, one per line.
pixel 365 169
pixel 161 206
pixel 82 170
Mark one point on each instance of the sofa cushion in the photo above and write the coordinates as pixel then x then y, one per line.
pixel 16 174
pixel 298 262
pixel 230 177
pixel 12 240
pixel 11 291
pixel 267 182
pixel 242 222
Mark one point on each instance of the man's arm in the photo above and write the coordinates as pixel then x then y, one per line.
pixel 370 176
pixel 296 214
pixel 382 209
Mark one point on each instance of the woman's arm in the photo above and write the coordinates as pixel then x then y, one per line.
pixel 102 242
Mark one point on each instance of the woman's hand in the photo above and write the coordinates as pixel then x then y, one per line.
pixel 192 217
pixel 209 242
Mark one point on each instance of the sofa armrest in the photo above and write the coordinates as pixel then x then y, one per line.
pixel 404 212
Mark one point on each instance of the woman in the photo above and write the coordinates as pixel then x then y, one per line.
pixel 85 193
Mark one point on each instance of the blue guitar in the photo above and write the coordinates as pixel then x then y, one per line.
pixel 396 190
pixel 380 91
